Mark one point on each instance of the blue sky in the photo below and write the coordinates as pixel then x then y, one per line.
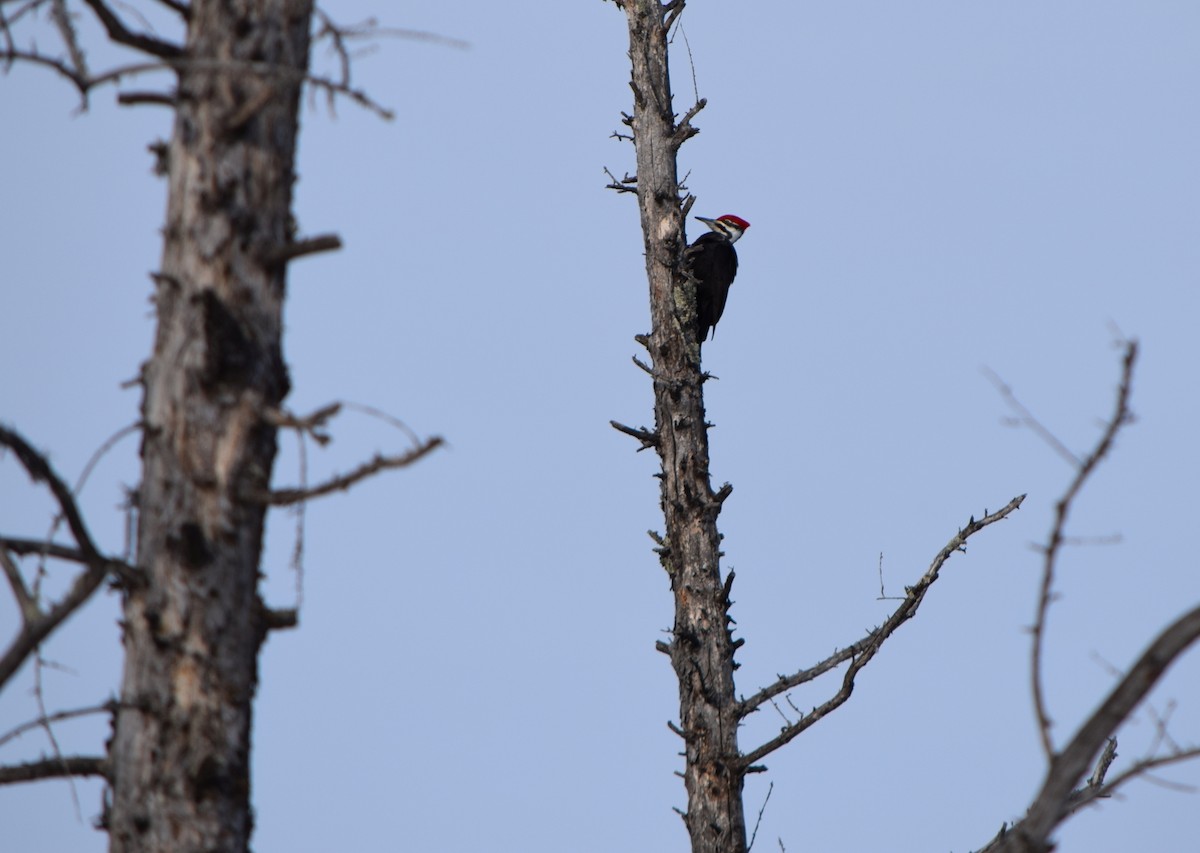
pixel 933 187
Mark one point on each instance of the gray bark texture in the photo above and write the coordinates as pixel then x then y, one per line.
pixel 180 753
pixel 702 647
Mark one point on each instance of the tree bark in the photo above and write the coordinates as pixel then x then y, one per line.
pixel 702 647
pixel 180 754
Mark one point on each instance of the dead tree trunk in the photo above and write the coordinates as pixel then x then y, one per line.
pixel 702 647
pixel 180 755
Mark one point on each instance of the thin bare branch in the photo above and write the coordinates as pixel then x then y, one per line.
pixel 379 414
pixel 28 7
pixel 1120 416
pixel 337 38
pixel 102 451
pixel 109 707
pixel 287 497
pixel 66 29
pixel 82 84
pixel 264 69
pixel 183 9
pixel 311 425
pixel 43 720
pixel 301 514
pixel 860 653
pixel 54 768
pixel 370 29
pixel 758 821
pixel 24 546
pixel 1026 418
pixel 39 470
pixel 119 33
pixel 340 36
pixel 25 602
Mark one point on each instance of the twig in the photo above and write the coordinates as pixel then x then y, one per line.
pixel 370 29
pixel 66 29
pixel 301 511
pixel 44 723
pixel 754 834
pixel 1026 418
pixel 339 35
pixel 310 425
pixel 337 39
pixel 15 732
pixel 381 415
pixel 287 497
pixel 883 596
pixel 102 451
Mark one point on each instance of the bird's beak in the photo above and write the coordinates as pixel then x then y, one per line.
pixel 711 223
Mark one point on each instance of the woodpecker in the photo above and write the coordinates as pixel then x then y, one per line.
pixel 713 263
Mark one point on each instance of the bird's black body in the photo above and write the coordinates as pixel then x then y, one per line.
pixel 713 263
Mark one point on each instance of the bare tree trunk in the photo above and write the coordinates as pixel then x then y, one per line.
pixel 180 756
pixel 702 648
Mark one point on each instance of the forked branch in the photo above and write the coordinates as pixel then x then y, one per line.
pixel 36 623
pixel 170 57
pixel 1059 796
pixel 1064 790
pixel 861 652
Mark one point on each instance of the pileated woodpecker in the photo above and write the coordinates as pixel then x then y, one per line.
pixel 713 263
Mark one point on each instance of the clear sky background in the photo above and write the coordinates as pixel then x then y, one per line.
pixel 934 187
